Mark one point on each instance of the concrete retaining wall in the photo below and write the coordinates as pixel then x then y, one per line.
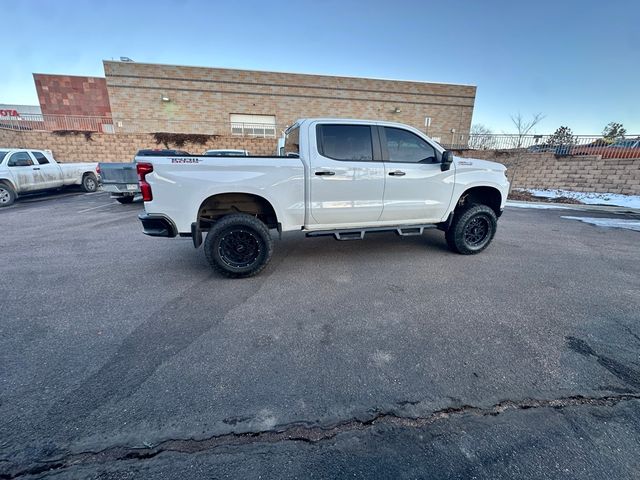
pixel 579 173
pixel 119 147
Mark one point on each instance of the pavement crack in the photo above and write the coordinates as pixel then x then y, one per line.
pixel 300 432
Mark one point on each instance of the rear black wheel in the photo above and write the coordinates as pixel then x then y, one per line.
pixel 125 200
pixel 238 246
pixel 472 230
pixel 89 183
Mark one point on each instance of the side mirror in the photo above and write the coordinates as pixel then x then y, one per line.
pixel 447 160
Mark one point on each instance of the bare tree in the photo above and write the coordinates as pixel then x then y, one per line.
pixel 481 137
pixel 524 126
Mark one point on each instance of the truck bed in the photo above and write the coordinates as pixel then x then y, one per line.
pixel 181 184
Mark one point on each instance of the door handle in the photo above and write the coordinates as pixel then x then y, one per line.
pixel 36 168
pixel 397 173
pixel 325 172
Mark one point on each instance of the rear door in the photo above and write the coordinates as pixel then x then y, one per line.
pixel 347 175
pixel 21 167
pixel 416 189
pixel 47 173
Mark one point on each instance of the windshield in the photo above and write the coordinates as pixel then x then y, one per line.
pixel 625 143
pixel 3 153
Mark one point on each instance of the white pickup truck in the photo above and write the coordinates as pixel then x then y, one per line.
pixel 27 171
pixel 338 177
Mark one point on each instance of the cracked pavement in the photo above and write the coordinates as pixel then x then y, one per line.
pixel 124 356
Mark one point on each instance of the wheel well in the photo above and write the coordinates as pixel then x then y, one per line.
pixel 488 196
pixel 218 206
pixel 7 183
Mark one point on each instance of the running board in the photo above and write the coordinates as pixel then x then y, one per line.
pixel 358 233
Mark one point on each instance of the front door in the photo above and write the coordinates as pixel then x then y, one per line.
pixel 347 176
pixel 21 168
pixel 416 189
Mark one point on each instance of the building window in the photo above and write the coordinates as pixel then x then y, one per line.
pixel 253 125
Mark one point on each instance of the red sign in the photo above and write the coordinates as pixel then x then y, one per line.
pixel 9 113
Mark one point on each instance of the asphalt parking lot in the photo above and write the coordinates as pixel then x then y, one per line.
pixel 124 356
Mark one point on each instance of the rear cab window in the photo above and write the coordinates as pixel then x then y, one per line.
pixel 292 142
pixel 41 159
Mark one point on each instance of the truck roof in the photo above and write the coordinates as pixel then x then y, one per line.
pixel 9 149
pixel 347 120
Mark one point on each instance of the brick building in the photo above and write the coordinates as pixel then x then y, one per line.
pixel 152 97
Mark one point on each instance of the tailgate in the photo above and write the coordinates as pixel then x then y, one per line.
pixel 118 173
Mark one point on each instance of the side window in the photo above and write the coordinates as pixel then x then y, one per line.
pixel 20 159
pixel 42 160
pixel 345 142
pixel 292 143
pixel 404 146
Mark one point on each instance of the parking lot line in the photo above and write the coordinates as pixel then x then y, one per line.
pixel 95 208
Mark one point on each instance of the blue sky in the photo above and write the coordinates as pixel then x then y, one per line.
pixel 577 62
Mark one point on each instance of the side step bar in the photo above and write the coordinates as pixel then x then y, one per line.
pixel 358 233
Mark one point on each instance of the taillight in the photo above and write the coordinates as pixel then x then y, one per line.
pixel 98 169
pixel 144 169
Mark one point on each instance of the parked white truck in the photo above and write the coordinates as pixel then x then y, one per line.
pixel 337 177
pixel 25 171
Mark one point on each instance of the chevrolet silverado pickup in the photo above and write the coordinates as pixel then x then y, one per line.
pixel 337 177
pixel 25 171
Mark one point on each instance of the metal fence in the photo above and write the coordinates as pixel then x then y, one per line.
pixel 50 123
pixel 623 147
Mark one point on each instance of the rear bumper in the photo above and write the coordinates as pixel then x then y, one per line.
pixel 122 188
pixel 157 225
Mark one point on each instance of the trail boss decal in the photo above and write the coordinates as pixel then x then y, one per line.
pixel 185 160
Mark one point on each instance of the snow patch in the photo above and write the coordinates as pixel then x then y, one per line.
pixel 538 206
pixel 589 198
pixel 609 222
pixel 381 358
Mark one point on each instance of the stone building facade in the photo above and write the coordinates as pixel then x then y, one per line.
pixel 152 97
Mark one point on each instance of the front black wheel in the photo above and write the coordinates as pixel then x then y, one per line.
pixel 472 230
pixel 7 195
pixel 238 246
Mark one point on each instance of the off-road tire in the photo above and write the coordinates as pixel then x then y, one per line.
pixel 89 183
pixel 472 229
pixel 125 200
pixel 7 195
pixel 238 246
